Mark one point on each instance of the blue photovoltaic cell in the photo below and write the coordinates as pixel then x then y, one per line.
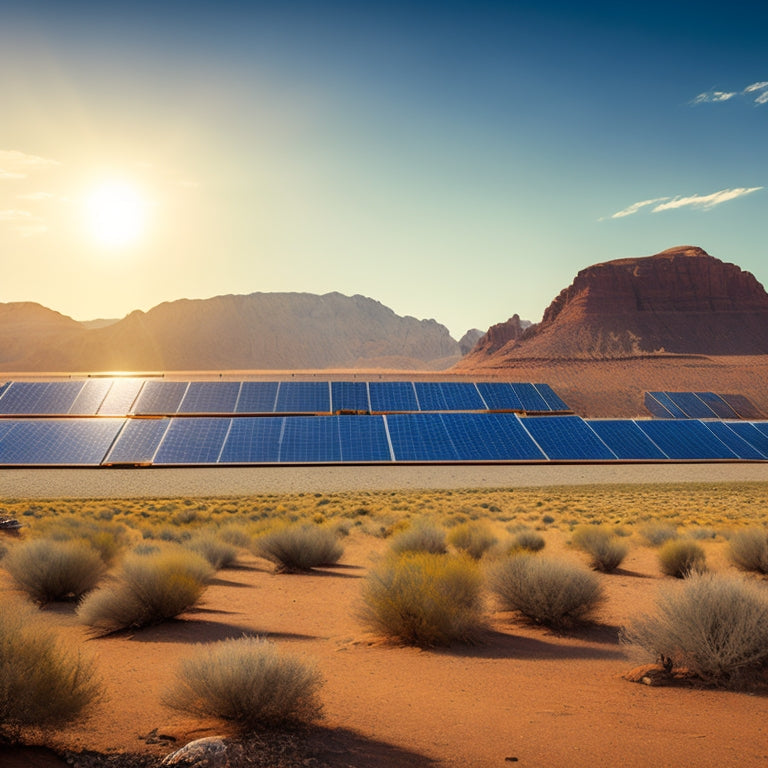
pixel 663 398
pixel 39 397
pixel 210 397
pixel 685 439
pixel 363 438
pixel 761 427
pixel 626 439
pixel 553 400
pixel 257 397
pixel 749 432
pixel 718 405
pixel 655 408
pixel 58 442
pixel 349 396
pixel 392 396
pixel 253 441
pixel 530 397
pixel 743 407
pixel 430 396
pixel 448 396
pixel 121 396
pixel 160 397
pixel 737 444
pixel 193 441
pixel 490 437
pixel 90 398
pixel 692 406
pixel 420 437
pixel 138 441
pixel 499 396
pixel 303 397
pixel 566 438
pixel 6 427
pixel 310 439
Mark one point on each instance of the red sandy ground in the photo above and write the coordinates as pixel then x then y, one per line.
pixel 545 699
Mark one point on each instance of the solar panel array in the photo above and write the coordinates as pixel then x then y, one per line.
pixel 699 405
pixel 152 422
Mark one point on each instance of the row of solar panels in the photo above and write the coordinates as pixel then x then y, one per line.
pixel 699 405
pixel 410 437
pixel 123 397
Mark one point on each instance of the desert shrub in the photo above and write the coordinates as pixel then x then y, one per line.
pixel 247 681
pixel 656 534
pixel 236 535
pixel 213 548
pixel 474 539
pixel 424 599
pixel 605 551
pixel 527 540
pixel 748 550
pixel 50 570
pixel 43 684
pixel 713 626
pixel 299 547
pixel 681 557
pixel 701 533
pixel 545 590
pixel 420 537
pixel 108 539
pixel 149 588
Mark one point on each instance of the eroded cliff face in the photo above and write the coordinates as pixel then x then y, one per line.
pixel 680 301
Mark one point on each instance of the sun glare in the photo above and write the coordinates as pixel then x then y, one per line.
pixel 116 213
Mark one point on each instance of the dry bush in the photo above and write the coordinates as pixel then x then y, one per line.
pixel 606 552
pixel 424 599
pixel 213 548
pixel 43 684
pixel 108 539
pixel 546 591
pixel 297 548
pixel 656 534
pixel 421 536
pixel 681 557
pixel 472 538
pixel 50 570
pixel 748 550
pixel 149 588
pixel 527 540
pixel 236 535
pixel 713 626
pixel 248 682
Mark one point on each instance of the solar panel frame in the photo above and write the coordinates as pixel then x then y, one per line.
pixel 363 439
pixel 160 398
pixel 625 439
pixel 210 397
pixel 420 437
pixel 137 442
pixel 303 397
pixel 310 440
pixel 197 441
pixel 121 397
pixel 350 396
pixel 392 397
pixel 39 398
pixel 253 440
pixel 567 438
pixel 499 396
pixel 686 439
pixel 257 397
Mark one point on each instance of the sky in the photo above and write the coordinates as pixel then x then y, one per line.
pixel 458 160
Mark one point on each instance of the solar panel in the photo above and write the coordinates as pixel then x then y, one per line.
pixel 349 396
pixel 39 398
pixel 363 438
pixel 58 442
pixel 685 439
pixel 761 427
pixel 303 397
pixel 626 439
pixel 160 397
pixel 737 444
pixel 499 396
pixel 90 397
pixel 120 398
pixel 257 397
pixel 566 438
pixel 691 405
pixel 666 402
pixel 553 400
pixel 420 437
pixel 530 397
pixel 193 441
pixel 210 397
pixel 490 437
pixel 749 432
pixel 743 407
pixel 392 396
pixel 718 405
pixel 655 408
pixel 448 396
pixel 310 439
pixel 137 442
pixel 253 441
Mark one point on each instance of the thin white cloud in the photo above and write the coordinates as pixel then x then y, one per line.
pixel 756 87
pixel 712 97
pixel 36 196
pixel 18 165
pixel 705 201
pixel 635 207
pixel 11 174
pixel 762 98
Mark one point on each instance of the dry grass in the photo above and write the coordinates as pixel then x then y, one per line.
pixel 748 550
pixel 681 557
pixel 299 548
pixel 606 551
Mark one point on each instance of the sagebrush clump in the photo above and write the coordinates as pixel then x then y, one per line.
pixel 606 551
pixel 472 538
pixel 748 550
pixel 297 548
pixel 421 536
pixel 681 557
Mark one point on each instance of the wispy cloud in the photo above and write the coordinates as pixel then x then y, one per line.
pixel 18 165
pixel 25 223
pixel 36 196
pixel 690 201
pixel 756 92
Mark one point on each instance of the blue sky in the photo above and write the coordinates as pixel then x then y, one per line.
pixel 453 160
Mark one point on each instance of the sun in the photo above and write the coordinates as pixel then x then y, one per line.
pixel 116 213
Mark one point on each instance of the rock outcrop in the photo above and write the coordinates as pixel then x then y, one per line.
pixel 680 301
pixel 468 341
